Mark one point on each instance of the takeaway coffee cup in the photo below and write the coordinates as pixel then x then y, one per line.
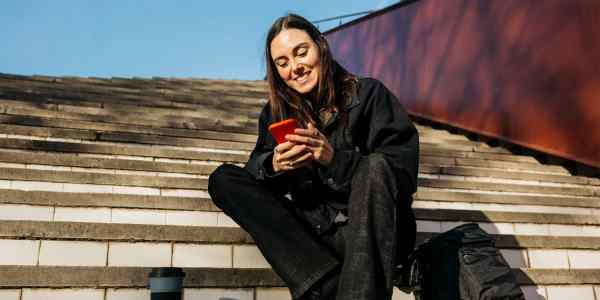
pixel 166 283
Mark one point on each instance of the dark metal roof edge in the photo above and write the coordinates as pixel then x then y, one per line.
pixel 371 15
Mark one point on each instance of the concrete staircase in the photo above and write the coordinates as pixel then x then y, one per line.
pixel 102 179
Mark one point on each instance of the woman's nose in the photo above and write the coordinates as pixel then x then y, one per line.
pixel 297 68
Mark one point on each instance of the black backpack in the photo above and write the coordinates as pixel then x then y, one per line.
pixel 459 264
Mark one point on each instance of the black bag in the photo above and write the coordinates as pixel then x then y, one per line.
pixel 459 264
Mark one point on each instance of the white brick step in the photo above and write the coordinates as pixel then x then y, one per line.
pixel 181 199
pixel 60 194
pixel 199 211
pixel 85 244
pixel 30 179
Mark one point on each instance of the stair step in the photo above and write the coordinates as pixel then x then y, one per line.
pixel 115 245
pixel 92 200
pixel 70 160
pixel 136 277
pixel 38 131
pixel 507 187
pixel 43 91
pixel 450 196
pixel 200 211
pixel 176 126
pixel 128 277
pixel 122 178
pixel 33 197
pixel 104 165
pixel 133 150
pixel 155 85
pixel 83 231
pixel 92 138
pixel 128 114
pixel 480 155
pixel 448 169
pixel 75 177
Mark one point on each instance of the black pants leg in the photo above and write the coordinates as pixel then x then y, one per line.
pixel 284 240
pixel 380 230
pixel 380 226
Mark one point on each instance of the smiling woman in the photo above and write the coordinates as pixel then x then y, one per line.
pixel 330 207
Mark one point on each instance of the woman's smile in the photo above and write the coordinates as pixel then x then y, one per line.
pixel 302 79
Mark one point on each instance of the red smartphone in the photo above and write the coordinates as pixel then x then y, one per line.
pixel 280 129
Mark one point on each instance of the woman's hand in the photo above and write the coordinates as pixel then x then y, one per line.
pixel 289 156
pixel 316 143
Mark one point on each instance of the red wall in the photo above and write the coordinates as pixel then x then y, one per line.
pixel 526 71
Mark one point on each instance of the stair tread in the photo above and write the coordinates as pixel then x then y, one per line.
pixel 83 231
pixel 61 276
pixel 74 160
pixel 26 174
pixel 125 137
pixel 118 140
pixel 119 149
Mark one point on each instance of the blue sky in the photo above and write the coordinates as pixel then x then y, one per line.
pixel 202 39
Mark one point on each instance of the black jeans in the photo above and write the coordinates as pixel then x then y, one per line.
pixel 379 234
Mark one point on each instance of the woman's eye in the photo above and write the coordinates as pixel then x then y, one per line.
pixel 302 53
pixel 282 65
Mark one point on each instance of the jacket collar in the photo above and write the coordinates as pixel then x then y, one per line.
pixel 354 102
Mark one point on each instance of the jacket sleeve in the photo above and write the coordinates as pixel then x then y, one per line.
pixel 260 162
pixel 383 127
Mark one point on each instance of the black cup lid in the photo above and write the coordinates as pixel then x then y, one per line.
pixel 167 272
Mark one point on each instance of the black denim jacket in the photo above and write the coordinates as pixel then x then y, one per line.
pixel 375 123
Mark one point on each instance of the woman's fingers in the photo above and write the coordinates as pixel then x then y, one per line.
pixel 301 158
pixel 302 139
pixel 295 150
pixel 307 132
pixel 284 147
pixel 298 161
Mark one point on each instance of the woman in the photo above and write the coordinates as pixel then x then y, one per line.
pixel 330 208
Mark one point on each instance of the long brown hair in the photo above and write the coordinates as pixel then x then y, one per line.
pixel 335 87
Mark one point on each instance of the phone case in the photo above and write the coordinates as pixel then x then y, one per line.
pixel 280 129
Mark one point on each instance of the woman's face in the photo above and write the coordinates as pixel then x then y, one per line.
pixel 297 59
